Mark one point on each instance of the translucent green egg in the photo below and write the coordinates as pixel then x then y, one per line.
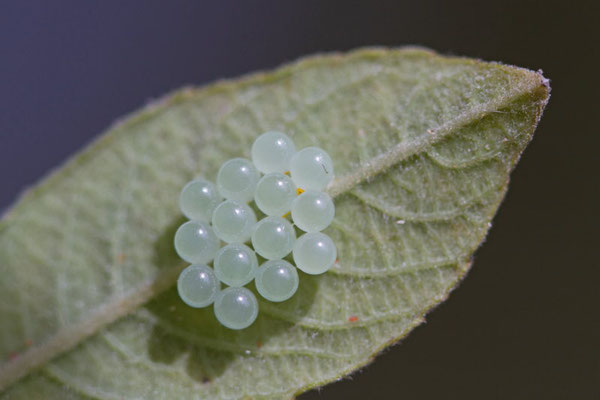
pixel 233 221
pixel 311 168
pixel 196 242
pixel 198 200
pixel 272 151
pixel 273 237
pixel 314 253
pixel 235 264
pixel 274 194
pixel 277 280
pixel 236 180
pixel 198 286
pixel 236 308
pixel 313 211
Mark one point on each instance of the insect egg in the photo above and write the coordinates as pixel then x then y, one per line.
pixel 236 308
pixel 271 152
pixel 273 237
pixel 233 221
pixel 236 180
pixel 235 264
pixel 196 242
pixel 277 280
pixel 311 168
pixel 313 211
pixel 314 253
pixel 198 286
pixel 274 194
pixel 198 200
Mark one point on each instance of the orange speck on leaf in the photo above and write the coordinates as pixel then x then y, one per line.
pixel 299 191
pixel 286 214
pixel 353 318
pixel 287 173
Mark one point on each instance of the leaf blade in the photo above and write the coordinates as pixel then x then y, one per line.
pixel 301 106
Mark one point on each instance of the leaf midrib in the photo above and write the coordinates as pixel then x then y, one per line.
pixel 119 306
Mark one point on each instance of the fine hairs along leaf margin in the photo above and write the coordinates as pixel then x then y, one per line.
pixel 422 145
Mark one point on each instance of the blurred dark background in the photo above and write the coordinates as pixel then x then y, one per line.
pixel 525 322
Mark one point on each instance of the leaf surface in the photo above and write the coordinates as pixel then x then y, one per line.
pixel 422 145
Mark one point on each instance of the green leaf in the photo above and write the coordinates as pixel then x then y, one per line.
pixel 422 145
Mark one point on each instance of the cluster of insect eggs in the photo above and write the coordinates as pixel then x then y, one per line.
pixel 220 212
